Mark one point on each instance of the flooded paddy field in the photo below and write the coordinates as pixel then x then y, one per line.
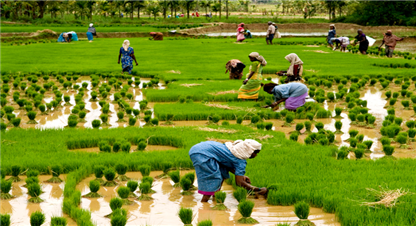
pixel 75 117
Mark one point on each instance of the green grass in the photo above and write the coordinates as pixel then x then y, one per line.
pixel 194 58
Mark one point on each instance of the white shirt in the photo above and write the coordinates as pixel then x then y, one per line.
pixel 344 40
pixel 271 30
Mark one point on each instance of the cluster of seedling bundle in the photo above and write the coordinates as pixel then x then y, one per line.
pixel 32 177
pixel 115 205
pixel 119 217
pixel 56 170
pixel 322 137
pixel 186 183
pixel 118 145
pixel 175 177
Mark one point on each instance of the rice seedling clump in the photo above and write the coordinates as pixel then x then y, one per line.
pixel 109 175
pixel 145 189
pixel 56 171
pixel 121 171
pixel 58 221
pixel 246 208
pixel 220 198
pixel 94 187
pixel 132 185
pixel 5 187
pixel 37 218
pixel 186 216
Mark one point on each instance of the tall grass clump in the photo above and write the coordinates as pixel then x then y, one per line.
pixel 56 171
pixel 220 198
pixel 240 194
pixel 94 187
pixel 145 189
pixel 175 177
pixel 121 170
pixel 246 208
pixel 37 218
pixel 124 193
pixel 110 175
pixel 186 216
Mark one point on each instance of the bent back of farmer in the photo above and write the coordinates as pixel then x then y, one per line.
pixel 213 161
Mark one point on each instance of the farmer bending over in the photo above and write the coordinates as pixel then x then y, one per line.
pixel 213 161
pixel 293 94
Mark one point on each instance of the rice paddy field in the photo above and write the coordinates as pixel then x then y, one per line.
pixel 86 145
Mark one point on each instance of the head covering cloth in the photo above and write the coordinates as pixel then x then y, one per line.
pixel 269 86
pixel 241 25
pixel 332 25
pixel 259 58
pixel 126 44
pixel 294 60
pixel 389 32
pixel 243 149
pixel 91 24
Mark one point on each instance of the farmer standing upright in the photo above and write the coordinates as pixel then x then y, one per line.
pixel 390 41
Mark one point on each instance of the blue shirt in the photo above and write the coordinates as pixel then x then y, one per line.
pixel 285 91
pixel 331 34
pixel 220 152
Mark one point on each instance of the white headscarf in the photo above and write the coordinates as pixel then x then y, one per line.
pixel 293 59
pixel 91 24
pixel 259 58
pixel 243 149
pixel 332 25
pixel 126 44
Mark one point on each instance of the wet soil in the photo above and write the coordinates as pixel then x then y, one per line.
pixel 164 208
pixel 20 209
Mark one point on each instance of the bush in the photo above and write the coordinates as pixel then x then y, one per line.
pixel 37 218
pixel 186 215
pixel 302 210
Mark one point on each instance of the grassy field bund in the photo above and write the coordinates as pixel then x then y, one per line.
pixel 315 173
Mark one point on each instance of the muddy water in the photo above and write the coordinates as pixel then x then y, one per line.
pixel 20 209
pixel 164 208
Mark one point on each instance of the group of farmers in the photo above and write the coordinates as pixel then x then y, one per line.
pixel 389 40
pixel 271 33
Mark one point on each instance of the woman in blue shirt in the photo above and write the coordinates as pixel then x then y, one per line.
pixel 293 94
pixel 213 161
pixel 332 33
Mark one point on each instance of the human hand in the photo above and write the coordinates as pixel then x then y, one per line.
pixel 379 49
pixel 245 81
pixel 266 106
pixel 263 191
pixel 247 180
pixel 137 64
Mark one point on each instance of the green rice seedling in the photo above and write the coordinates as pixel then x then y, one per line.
pixel 118 220
pixel 260 126
pixel 411 124
pixel 5 187
pixel 124 193
pixel 302 210
pixel 398 121
pixel 310 116
pixel 353 142
pixel 96 123
pixel 126 147
pixel 16 122
pixel 342 154
pixel 219 199
pixel 37 218
pixel 396 95
pixel 117 146
pixel 406 104
pixel 323 141
pixel 154 121
pixel 186 185
pixel 331 96
pixel 34 190
pixel 31 115
pixel 132 185
pixel 246 208
pixel 32 173
pixel 225 123
pixel 308 126
pixel 56 170
pixel 186 216
pixel 294 136
pixel 409 94
pixel 205 223
pixel 255 119
pixel 392 101
pixel 104 147
pixel 299 127
pixel 338 126
pixel 403 92
pixel 352 117
pixel 320 99
pixel 81 116
pixel 412 133
pixel 58 221
pixel 289 119
pixel 319 126
pixel 413 99
pixel 353 133
pixel 15 170
pixel 145 170
pixel 371 120
pixel 390 118
pixel 268 126
pixel 191 177
pixel 94 187
pixel 338 112
pixel 240 194
pixel 388 150
pixel 239 120
pixel 145 189
pixel 388 94
pixel 359 153
pixel 132 121
pixel 141 146
pixel 115 204
pixel 121 170
pixel 361 146
pixel 368 144
pixel 109 175
pixel 175 177
pixel 136 112
pixel 120 116
pixel 402 139
pixel 360 138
